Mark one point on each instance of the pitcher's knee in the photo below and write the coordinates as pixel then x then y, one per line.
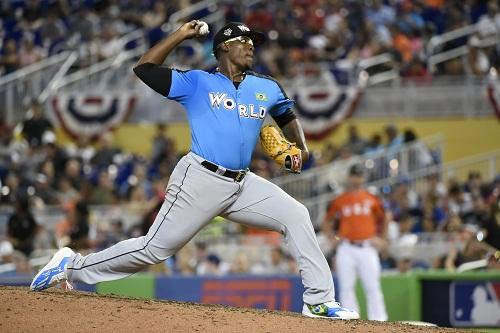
pixel 301 216
pixel 156 255
pixel 299 212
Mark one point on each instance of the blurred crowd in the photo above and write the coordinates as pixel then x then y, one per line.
pixel 39 176
pixel 34 29
pixel 340 32
pixel 348 31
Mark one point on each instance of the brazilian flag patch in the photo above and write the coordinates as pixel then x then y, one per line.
pixel 261 97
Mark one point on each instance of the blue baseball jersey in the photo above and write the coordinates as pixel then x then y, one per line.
pixel 225 121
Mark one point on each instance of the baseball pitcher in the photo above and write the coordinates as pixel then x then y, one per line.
pixel 225 109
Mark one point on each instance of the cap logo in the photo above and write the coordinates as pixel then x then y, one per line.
pixel 260 96
pixel 243 27
pixel 228 32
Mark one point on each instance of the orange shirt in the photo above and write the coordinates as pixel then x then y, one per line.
pixel 358 212
pixel 434 3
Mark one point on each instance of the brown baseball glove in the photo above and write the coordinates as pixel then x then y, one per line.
pixel 284 152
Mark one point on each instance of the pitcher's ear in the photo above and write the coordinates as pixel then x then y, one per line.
pixel 224 47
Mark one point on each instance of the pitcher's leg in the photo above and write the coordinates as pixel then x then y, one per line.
pixel 264 205
pixel 370 277
pixel 185 211
pixel 132 255
pixel 346 276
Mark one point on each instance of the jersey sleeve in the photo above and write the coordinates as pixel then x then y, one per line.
pixel 283 103
pixel 378 209
pixel 183 84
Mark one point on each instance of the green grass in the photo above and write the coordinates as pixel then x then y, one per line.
pixel 487 330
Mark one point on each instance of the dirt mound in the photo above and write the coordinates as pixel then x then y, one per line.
pixel 56 311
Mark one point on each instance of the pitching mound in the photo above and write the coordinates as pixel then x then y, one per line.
pixel 56 311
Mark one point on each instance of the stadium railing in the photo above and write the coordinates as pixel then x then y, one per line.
pixel 488 164
pixel 28 82
pixel 435 46
pixel 384 163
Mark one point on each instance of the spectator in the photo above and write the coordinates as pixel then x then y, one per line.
pixel 479 213
pixel 492 224
pixel 35 125
pixel 6 251
pixel 477 59
pixel 79 230
pixel 73 173
pixel 106 152
pixel 66 192
pixel 9 59
pixel 374 146
pixel 419 155
pixel 22 227
pixel 260 18
pixel 103 193
pixel 52 152
pixel 276 263
pixel 162 145
pixel 212 265
pixel 473 184
pixel 404 264
pixel 240 264
pixel 29 53
pixel 489 23
pixel 355 142
pixel 85 24
pixel 394 140
pixel 387 262
pixel 53 30
pixel 473 250
pixel 109 44
pixel 459 203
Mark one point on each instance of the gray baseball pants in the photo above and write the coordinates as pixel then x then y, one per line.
pixel 195 196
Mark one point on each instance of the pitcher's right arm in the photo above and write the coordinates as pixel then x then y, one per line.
pixel 149 68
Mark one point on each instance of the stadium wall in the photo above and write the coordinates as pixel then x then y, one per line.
pixel 463 137
pixel 442 298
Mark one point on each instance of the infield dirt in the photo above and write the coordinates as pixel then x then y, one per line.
pixel 54 311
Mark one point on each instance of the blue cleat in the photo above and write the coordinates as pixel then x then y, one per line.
pixel 329 310
pixel 54 272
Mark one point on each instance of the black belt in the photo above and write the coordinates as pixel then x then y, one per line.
pixel 236 175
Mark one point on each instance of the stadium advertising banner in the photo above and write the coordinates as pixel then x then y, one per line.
pixel 475 304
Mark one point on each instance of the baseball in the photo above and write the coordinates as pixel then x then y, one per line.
pixel 203 28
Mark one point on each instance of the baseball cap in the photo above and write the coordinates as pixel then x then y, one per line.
pixel 236 29
pixel 356 170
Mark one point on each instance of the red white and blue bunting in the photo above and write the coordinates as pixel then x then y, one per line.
pixel 322 108
pixel 90 114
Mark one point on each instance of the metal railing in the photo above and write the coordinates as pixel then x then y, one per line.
pixel 28 82
pixel 380 164
pixel 114 72
pixel 488 164
pixel 436 43
pixel 387 75
pixel 443 97
pixel 37 81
